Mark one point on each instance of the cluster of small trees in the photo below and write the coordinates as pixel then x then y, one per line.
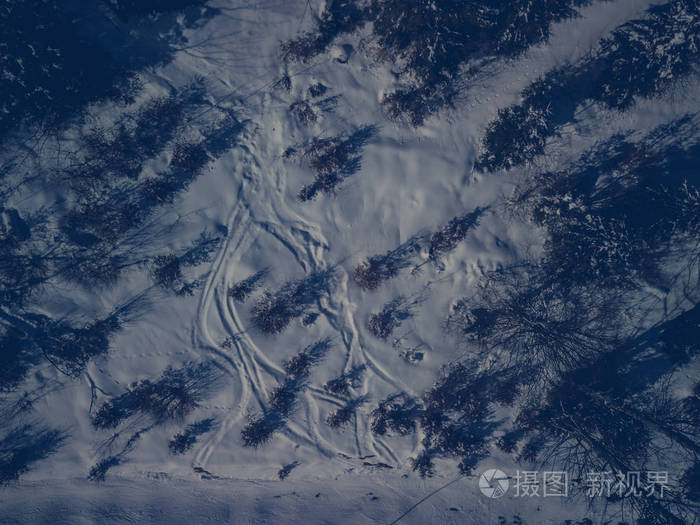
pixel 241 290
pixel 58 73
pixel 184 441
pixel 261 427
pixel 167 269
pixel 173 396
pixel 614 215
pixel 100 233
pixel 370 273
pixel 334 159
pixel 524 318
pixel 274 311
pixel 592 387
pixel 641 58
pixel 432 42
pixel 57 66
pixel 453 416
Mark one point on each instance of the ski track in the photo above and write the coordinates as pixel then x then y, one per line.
pixel 246 362
pixel 262 213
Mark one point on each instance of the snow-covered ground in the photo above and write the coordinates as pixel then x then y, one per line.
pixel 412 181
pixel 346 499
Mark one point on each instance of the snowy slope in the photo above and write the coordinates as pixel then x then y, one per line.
pixel 412 181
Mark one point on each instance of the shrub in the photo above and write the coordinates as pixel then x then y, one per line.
pixel 341 385
pixel 99 470
pixel 397 413
pixel 298 367
pixel 303 112
pixel 374 270
pixel 447 238
pixel 260 429
pixel 383 323
pixel 317 90
pixel 334 159
pixel 242 289
pixel 287 469
pixel 174 395
pixel 343 415
pixel 184 441
pixel 284 396
pixel 274 311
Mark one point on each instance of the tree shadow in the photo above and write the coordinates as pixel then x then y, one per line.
pixel 25 445
pixel 275 310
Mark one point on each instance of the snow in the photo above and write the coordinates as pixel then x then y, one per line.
pixel 412 181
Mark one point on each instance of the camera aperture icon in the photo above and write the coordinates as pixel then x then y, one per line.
pixel 493 483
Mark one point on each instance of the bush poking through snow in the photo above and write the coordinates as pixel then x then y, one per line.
pixel 303 112
pixel 343 415
pixel 274 311
pixel 341 385
pixel 374 270
pixel 334 159
pixel 184 441
pixel 446 239
pixel 174 395
pixel 241 290
pixel 300 365
pixel 260 429
pixel 286 470
pixel 397 413
pixel 99 470
pixel 317 90
pixel 383 323
pixel 167 269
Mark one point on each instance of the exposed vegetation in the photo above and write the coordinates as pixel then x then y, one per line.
pixel 642 58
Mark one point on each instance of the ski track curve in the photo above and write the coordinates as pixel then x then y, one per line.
pixel 248 364
pixel 245 362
